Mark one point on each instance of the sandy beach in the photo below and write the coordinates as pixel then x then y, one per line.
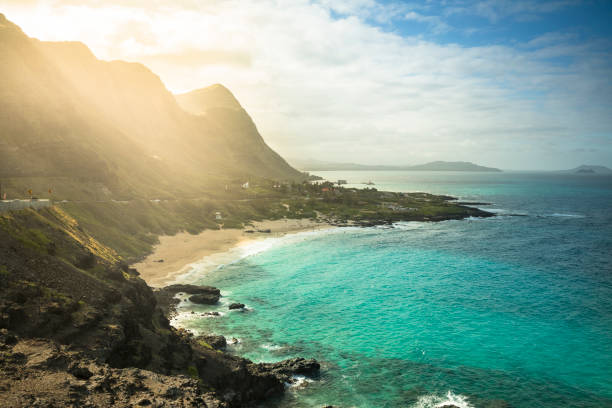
pixel 174 254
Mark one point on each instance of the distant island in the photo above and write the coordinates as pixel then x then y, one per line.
pixel 315 165
pixel 589 169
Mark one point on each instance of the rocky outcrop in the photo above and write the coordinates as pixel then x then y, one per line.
pixel 286 369
pixel 42 373
pixel 98 337
pixel 236 306
pixel 206 295
pixel 215 341
pixel 192 289
pixel 204 299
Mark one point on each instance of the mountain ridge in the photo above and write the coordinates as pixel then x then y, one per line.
pixel 589 169
pixel 85 121
pixel 314 165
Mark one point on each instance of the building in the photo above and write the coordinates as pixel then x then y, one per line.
pixel 10 205
pixel 218 215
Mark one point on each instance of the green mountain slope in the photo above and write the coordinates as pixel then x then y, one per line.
pixel 217 105
pixel 85 126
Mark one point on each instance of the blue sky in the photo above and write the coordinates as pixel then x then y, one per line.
pixel 518 84
pixel 476 23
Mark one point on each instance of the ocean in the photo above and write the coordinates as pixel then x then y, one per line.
pixel 509 311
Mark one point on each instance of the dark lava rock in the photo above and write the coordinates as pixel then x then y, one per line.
pixel 204 299
pixel 82 373
pixel 287 368
pixel 192 289
pixel 206 295
pixel 215 341
pixel 235 306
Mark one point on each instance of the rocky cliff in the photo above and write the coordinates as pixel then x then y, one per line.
pixel 77 326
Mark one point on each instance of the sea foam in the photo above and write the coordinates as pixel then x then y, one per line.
pixel 220 260
pixel 436 401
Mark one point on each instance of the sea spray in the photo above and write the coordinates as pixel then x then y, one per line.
pixel 436 401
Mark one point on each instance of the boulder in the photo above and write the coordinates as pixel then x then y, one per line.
pixel 236 306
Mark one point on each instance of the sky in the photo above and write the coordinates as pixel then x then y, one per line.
pixel 515 84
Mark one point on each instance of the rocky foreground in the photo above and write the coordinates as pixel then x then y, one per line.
pixel 80 328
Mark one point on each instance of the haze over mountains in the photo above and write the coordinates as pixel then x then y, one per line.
pixel 315 165
pixel 589 169
pixel 69 119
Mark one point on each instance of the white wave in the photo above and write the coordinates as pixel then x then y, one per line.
pixel 233 341
pixel 471 218
pixel 494 210
pixel 249 248
pixel 299 381
pixel 565 215
pixel 410 225
pixel 271 347
pixel 436 401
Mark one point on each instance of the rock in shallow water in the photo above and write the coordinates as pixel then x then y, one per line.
pixel 235 306
pixel 287 368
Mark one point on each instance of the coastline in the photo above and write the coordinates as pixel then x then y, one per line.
pixel 175 254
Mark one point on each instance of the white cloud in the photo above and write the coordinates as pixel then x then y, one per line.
pixel 435 22
pixel 340 89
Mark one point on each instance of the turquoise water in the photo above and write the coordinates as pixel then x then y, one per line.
pixel 501 312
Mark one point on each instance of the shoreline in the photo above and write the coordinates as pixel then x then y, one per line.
pixel 175 254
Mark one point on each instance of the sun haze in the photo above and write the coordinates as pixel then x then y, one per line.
pixel 517 85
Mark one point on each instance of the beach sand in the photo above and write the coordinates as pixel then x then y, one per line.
pixel 174 254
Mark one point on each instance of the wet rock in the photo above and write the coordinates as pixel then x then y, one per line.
pixel 236 306
pixel 204 299
pixel 204 295
pixel 191 289
pixel 284 370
